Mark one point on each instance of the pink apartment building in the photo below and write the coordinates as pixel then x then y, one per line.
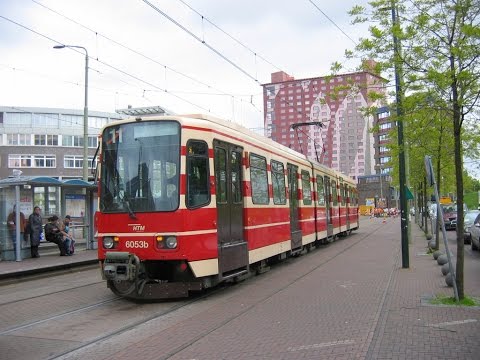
pixel 342 139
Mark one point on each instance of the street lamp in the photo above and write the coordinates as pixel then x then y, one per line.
pixel 85 111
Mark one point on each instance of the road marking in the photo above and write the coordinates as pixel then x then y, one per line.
pixel 458 322
pixel 321 345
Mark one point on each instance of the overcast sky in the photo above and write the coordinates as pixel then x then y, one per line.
pixel 141 58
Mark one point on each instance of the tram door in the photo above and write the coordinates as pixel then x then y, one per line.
pixel 328 196
pixel 232 248
pixel 295 231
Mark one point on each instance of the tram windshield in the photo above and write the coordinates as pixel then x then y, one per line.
pixel 140 167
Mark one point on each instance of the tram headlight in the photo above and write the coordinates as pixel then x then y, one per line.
pixel 171 242
pixel 166 242
pixel 108 242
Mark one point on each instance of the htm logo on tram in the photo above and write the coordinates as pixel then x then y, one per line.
pixel 137 227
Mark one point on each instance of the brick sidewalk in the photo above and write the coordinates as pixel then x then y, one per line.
pixel 410 328
pixel 349 300
pixel 48 261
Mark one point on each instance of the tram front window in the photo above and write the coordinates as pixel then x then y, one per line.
pixel 140 167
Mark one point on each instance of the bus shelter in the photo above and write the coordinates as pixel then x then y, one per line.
pixel 73 197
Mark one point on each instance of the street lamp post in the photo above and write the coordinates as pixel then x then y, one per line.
pixel 85 111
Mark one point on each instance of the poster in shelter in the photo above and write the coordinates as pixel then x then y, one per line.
pixel 75 205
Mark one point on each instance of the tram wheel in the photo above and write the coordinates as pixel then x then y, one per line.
pixel 121 287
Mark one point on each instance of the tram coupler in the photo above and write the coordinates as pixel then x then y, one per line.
pixel 120 266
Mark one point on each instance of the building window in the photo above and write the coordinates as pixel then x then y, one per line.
pixel 12 139
pixel 52 140
pixel 32 161
pixel 76 162
pixel 45 120
pixel 40 140
pixel 383 115
pixel 92 142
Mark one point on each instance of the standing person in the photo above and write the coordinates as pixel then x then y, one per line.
pixel 12 228
pixel 35 224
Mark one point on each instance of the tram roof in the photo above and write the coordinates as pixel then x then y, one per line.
pixel 236 127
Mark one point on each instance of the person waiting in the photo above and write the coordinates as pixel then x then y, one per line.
pixel 55 234
pixel 12 227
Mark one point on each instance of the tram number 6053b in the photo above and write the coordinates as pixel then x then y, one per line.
pixel 136 244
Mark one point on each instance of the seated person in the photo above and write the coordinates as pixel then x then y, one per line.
pixel 54 233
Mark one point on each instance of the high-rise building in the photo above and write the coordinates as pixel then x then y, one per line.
pixel 324 118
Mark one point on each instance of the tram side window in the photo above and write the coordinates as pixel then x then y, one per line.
pixel 306 190
pixel 278 183
pixel 259 179
pixel 198 174
pixel 236 166
pixel 320 191
pixel 221 175
pixel 343 194
pixel 334 193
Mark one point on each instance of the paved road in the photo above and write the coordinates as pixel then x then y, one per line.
pixel 348 300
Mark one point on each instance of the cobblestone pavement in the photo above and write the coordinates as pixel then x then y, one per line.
pixel 349 300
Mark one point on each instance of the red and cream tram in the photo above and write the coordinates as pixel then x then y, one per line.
pixel 186 202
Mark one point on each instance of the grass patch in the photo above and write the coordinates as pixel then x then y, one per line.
pixel 448 300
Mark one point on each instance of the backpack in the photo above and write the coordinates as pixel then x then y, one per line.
pixel 50 235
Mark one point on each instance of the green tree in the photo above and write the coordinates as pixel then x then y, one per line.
pixel 439 55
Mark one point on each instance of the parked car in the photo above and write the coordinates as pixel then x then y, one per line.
pixel 475 234
pixel 468 220
pixel 449 216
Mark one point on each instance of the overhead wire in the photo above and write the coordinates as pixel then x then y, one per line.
pixel 201 41
pixel 108 65
pixel 333 22
pixel 139 53
pixel 230 36
pixel 131 50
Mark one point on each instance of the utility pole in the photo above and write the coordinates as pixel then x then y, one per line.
pixel 401 147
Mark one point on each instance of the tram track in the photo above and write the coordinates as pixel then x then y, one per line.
pixel 78 352
pixel 58 316
pixel 16 301
pixel 164 313
pixel 265 299
pixel 154 316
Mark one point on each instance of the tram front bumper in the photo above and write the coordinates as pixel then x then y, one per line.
pixel 120 266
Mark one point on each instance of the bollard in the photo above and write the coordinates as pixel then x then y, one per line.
pixel 449 279
pixel 442 259
pixel 446 268
pixel 436 254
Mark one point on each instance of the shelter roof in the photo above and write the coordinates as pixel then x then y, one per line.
pixel 44 181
